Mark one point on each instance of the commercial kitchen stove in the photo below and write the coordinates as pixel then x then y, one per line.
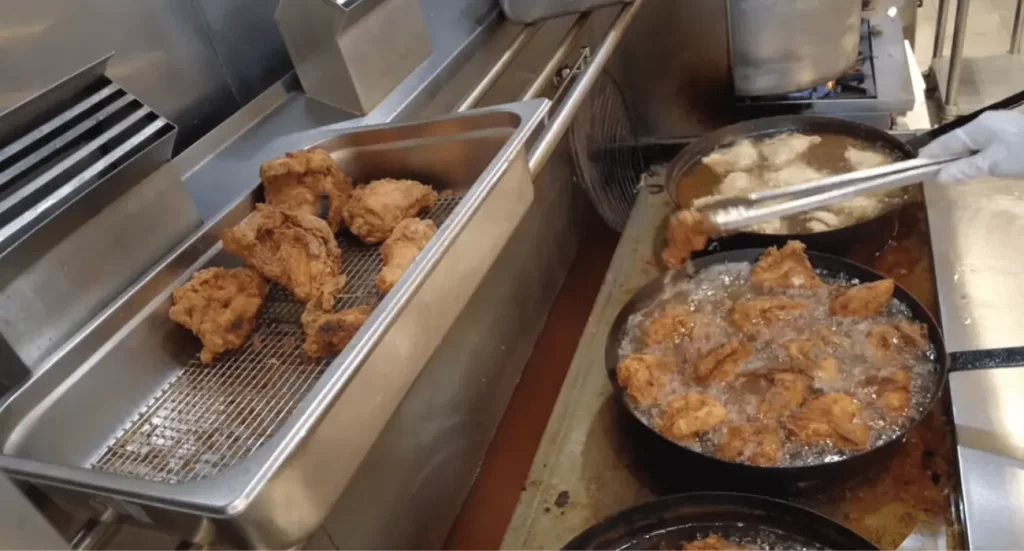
pixel 592 462
pixel 872 91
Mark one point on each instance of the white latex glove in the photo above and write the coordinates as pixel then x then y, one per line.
pixel 997 136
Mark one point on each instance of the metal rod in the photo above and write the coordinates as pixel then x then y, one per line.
pixel 574 99
pixel 957 54
pixel 492 76
pixel 95 531
pixel 1018 28
pixel 940 29
pixel 543 80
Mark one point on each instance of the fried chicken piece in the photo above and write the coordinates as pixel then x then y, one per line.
pixel 686 232
pixel 219 306
pixel 672 325
pixel 783 149
pixel 297 251
pixel 893 341
pixel 830 418
pixel 686 417
pixel 328 332
pixel 788 391
pixel 914 335
pixel 374 210
pixel 297 182
pixel 721 364
pixel 742 155
pixel 400 250
pixel 811 357
pixel 752 443
pixel 863 300
pixel 787 268
pixel 713 543
pixel 892 389
pixel 751 315
pixel 644 377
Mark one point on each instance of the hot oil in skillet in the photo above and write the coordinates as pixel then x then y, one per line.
pixel 828 156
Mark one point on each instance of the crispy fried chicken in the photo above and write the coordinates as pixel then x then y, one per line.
pixel 864 300
pixel 294 250
pixel 721 364
pixel 297 182
pixel 400 250
pixel 684 418
pixel 752 443
pixel 787 268
pixel 644 377
pixel 752 315
pixel 328 332
pixel 375 209
pixel 830 418
pixel 219 306
pixel 685 233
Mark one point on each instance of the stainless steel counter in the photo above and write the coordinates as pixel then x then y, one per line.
pixel 976 231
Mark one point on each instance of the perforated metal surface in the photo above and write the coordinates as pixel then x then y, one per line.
pixel 211 415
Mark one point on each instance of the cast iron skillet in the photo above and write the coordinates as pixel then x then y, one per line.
pixel 835 240
pixel 671 522
pixel 793 477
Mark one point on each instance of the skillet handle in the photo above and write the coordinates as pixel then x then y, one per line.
pixel 1010 102
pixel 986 359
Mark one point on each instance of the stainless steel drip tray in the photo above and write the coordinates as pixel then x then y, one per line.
pixel 262 441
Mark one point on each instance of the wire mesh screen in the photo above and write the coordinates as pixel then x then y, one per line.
pixel 211 415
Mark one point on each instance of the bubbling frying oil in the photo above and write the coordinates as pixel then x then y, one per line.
pixel 712 293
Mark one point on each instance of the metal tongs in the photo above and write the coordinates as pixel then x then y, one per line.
pixel 733 213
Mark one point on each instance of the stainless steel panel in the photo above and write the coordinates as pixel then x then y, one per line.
pixel 21 525
pixel 163 55
pixel 266 500
pixel 685 88
pixel 449 416
pixel 788 45
pixel 978 271
pixel 247 43
pixel 353 54
pixel 531 11
pixel 987 408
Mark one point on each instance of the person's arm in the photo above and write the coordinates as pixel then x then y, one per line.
pixel 997 136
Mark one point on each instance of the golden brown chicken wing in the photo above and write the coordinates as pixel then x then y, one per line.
pixel 672 325
pixel 891 387
pixel 400 250
pixel 685 233
pixel 684 418
pixel 722 364
pixel 219 306
pixel 752 443
pixel 297 182
pixel 811 357
pixel 864 300
pixel 713 543
pixel 328 332
pixel 788 391
pixel 376 208
pixel 752 315
pixel 830 418
pixel 786 268
pixel 294 250
pixel 644 377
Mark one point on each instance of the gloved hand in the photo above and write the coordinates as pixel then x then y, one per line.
pixel 997 136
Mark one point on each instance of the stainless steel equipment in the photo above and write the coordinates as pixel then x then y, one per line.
pixel 780 46
pixel 73 175
pixel 353 53
pixel 531 11
pixel 21 526
pixel 875 89
pixel 248 452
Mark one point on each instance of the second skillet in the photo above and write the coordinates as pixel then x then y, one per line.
pixel 793 477
pixel 838 239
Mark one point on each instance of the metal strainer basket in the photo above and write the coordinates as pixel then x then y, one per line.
pixel 603 144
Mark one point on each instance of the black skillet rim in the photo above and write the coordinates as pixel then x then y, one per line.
pixel 654 511
pixel 859 271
